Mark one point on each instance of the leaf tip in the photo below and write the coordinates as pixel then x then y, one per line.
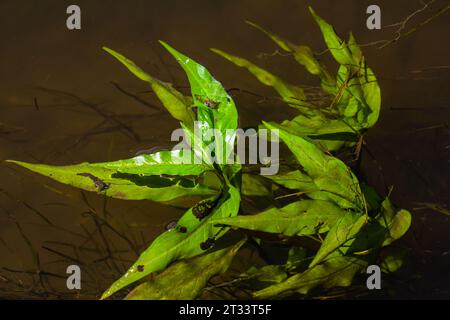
pixel 251 23
pixel 166 46
pixel 19 163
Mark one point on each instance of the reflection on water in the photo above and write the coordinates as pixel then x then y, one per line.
pixel 64 101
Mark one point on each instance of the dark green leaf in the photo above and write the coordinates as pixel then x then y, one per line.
pixel 335 271
pixel 344 230
pixel 254 185
pixel 184 280
pixel 305 217
pixel 327 172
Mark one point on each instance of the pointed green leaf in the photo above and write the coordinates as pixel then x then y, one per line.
pixel 337 46
pixel 216 109
pixel 305 217
pixel 175 102
pixel 115 184
pixel 335 271
pixel 292 95
pixel 185 279
pixel 304 56
pixel 328 173
pixel 174 245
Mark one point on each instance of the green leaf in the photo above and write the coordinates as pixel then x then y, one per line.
pixel 396 223
pixel 174 245
pixel 175 102
pixel 163 162
pixel 345 229
pixel 368 83
pixel 292 95
pixel 254 185
pixel 264 276
pixel 109 182
pixel 294 180
pixel 337 46
pixel 398 226
pixel 331 134
pixel 336 271
pixel 372 95
pixel 185 279
pixel 328 173
pixel 354 48
pixel 216 109
pixel 196 143
pixel 304 56
pixel 317 126
pixel 387 227
pixel 305 217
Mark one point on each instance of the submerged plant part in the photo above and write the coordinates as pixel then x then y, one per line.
pixel 335 227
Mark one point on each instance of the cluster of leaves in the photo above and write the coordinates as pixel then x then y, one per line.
pixel 353 94
pixel 346 220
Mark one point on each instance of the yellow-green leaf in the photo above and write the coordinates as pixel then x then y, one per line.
pixel 175 102
pixel 115 184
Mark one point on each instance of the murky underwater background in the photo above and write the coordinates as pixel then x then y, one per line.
pixel 63 101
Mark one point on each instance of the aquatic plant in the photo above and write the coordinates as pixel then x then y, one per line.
pixel 348 223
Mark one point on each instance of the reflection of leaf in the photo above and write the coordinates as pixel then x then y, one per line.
pixel 185 279
pixel 328 173
pixel 305 217
pixel 335 271
pixel 175 102
pixel 345 229
pixel 173 245
pixel 97 178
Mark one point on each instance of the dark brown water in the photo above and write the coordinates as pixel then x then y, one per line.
pixel 58 105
